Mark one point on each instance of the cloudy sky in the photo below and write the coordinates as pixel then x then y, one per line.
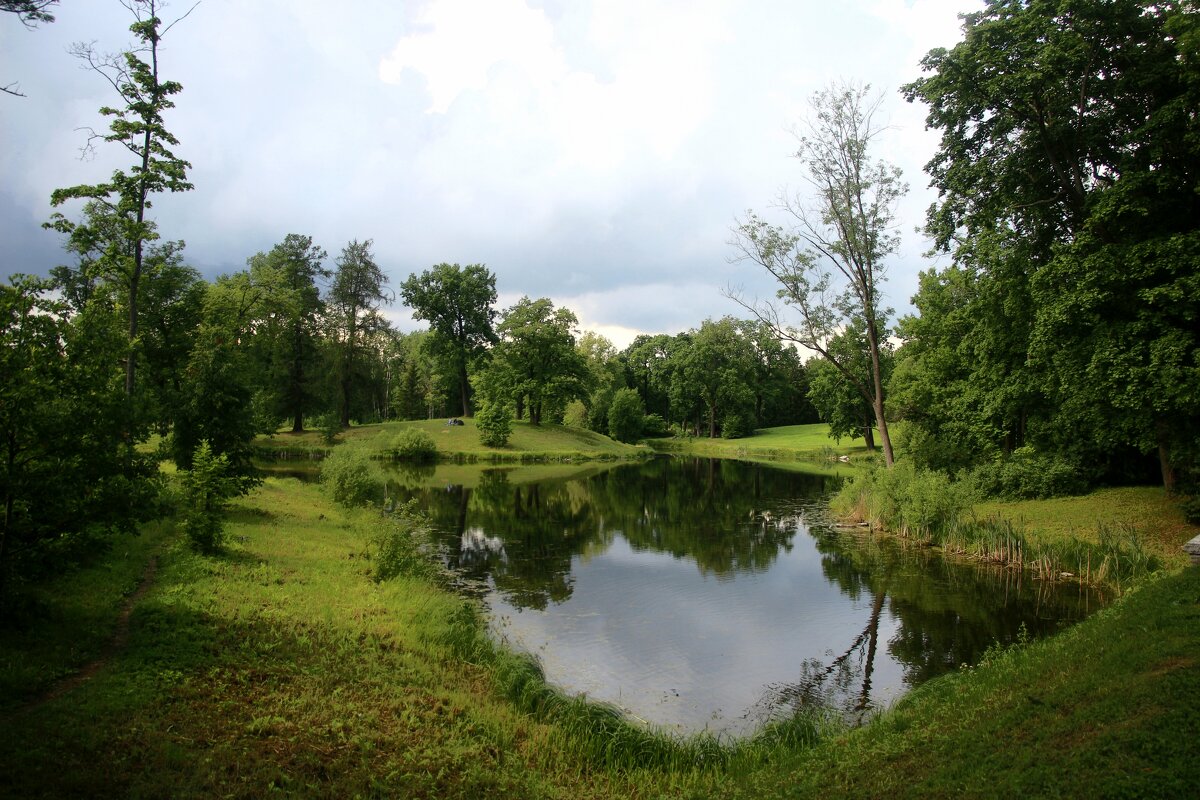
pixel 597 152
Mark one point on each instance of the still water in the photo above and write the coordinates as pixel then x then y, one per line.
pixel 700 594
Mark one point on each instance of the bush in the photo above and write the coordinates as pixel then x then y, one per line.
pixel 351 477
pixel 576 415
pixel 397 544
pixel 1027 476
pixel 654 426
pixel 626 415
pixel 494 423
pixel 414 444
pixel 735 425
pixel 904 499
pixel 205 490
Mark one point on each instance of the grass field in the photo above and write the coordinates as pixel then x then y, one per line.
pixel 1156 517
pixel 280 667
pixel 787 443
pixel 545 442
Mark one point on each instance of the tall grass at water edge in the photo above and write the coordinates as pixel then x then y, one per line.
pixel 930 508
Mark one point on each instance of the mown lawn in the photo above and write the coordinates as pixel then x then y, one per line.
pixel 789 442
pixel 527 442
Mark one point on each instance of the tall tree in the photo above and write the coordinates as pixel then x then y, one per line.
pixel 458 304
pixel 1069 136
pixel 830 260
pixel 139 128
pixel 293 267
pixel 536 363
pixel 353 303
pixel 835 398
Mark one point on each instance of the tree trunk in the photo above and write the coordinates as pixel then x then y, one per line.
pixel 298 422
pixel 877 379
pixel 869 433
pixel 1162 432
pixel 466 389
pixel 712 422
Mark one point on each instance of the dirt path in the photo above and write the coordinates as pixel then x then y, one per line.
pixel 115 645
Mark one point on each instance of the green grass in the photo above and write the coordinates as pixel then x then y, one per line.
pixel 786 443
pixel 1156 516
pixel 1109 708
pixel 528 443
pixel 282 667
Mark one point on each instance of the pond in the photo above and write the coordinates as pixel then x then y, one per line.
pixel 700 594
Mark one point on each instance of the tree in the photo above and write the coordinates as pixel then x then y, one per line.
pixel 140 129
pixel 206 490
pixel 494 424
pixel 353 303
pixel 67 480
pixel 458 304
pixel 625 416
pixel 1068 139
pixel 830 261
pixel 30 12
pixel 536 364
pixel 293 268
pixel 717 368
pixel 836 399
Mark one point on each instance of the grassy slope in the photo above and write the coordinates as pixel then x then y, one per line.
pixel 1109 708
pixel 281 666
pixel 1156 516
pixel 527 441
pixel 786 442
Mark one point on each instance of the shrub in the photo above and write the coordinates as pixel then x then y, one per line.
pixel 736 424
pixel 414 444
pixel 654 426
pixel 205 490
pixel 904 499
pixel 1027 476
pixel 351 477
pixel 626 415
pixel 494 423
pixel 576 415
pixel 397 544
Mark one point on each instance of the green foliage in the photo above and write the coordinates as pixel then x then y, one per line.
pixel 1027 476
pixel 205 491
pixel 414 444
pixel 654 426
pixel 1191 510
pixel 69 478
pixel 494 422
pixel 626 416
pixel 458 304
pixel 536 365
pixel 913 502
pixel 736 424
pixel 1068 319
pixel 396 545
pixel 351 477
pixel 352 316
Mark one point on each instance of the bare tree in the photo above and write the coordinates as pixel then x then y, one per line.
pixel 830 257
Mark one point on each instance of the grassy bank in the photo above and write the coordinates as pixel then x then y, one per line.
pixel 528 443
pixel 1109 708
pixel 1110 538
pixel 282 667
pixel 786 443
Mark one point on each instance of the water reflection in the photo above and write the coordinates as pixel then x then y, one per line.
pixel 701 593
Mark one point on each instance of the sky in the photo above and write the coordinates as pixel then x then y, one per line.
pixel 596 152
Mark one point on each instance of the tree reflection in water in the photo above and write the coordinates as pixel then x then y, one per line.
pixel 902 613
